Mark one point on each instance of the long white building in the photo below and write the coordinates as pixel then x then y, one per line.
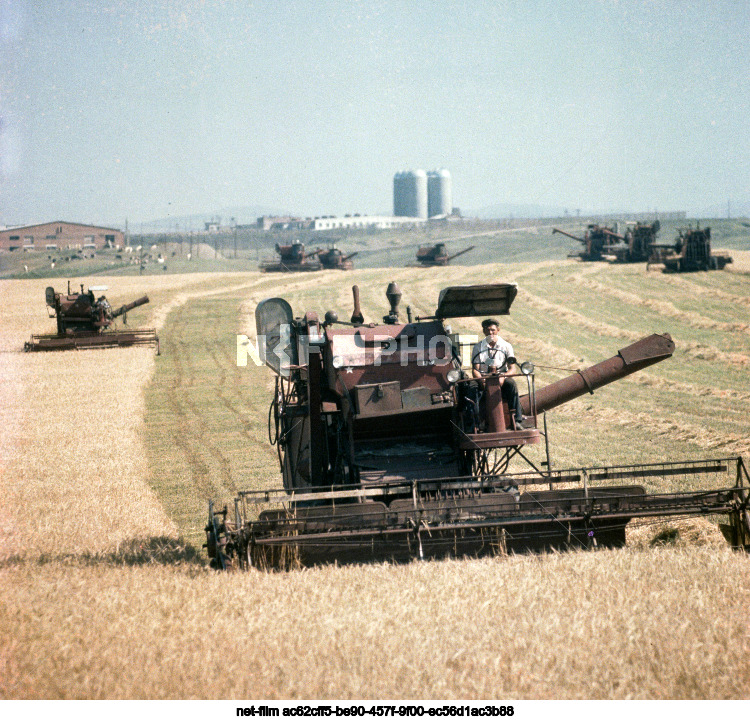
pixel 364 221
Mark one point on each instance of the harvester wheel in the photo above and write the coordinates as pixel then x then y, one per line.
pixel 215 544
pixel 245 554
pixel 743 522
pixel 222 561
pixel 273 422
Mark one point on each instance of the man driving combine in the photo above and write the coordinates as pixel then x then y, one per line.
pixel 494 356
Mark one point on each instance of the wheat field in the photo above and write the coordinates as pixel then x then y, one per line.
pixel 109 457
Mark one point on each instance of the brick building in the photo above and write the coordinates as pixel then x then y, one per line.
pixel 60 235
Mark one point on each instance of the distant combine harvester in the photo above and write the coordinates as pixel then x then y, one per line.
pixel 691 251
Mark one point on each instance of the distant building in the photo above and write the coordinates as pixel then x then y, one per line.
pixel 330 222
pixel 363 221
pixel 650 217
pixel 60 235
pixel 282 222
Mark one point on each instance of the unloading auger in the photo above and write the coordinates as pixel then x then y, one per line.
pixel 388 449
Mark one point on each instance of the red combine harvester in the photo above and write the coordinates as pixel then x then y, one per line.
pixel 691 251
pixel 389 449
pixel 293 259
pixel 84 321
pixel 594 240
pixel 633 247
pixel 437 254
pixel 334 259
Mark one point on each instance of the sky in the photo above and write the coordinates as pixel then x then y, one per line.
pixel 145 109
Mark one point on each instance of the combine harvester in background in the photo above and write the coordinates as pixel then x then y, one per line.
pixel 293 259
pixel 594 240
pixel 84 321
pixel 389 449
pixel 691 251
pixel 334 259
pixel 633 247
pixel 437 254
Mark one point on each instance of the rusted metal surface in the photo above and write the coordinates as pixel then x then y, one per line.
pixel 647 351
pixel 357 317
pixel 84 340
pixel 451 517
pixel 389 450
pixel 476 300
pixel 129 306
pixel 494 403
pixel 499 439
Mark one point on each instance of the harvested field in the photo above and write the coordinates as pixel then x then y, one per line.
pixel 108 458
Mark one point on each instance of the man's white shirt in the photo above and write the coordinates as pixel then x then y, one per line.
pixel 489 357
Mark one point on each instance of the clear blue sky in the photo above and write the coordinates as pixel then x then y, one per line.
pixel 140 109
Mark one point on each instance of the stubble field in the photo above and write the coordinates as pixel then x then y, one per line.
pixel 109 458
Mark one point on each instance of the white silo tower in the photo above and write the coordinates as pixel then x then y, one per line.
pixel 419 180
pixel 439 193
pixel 399 193
pixel 410 194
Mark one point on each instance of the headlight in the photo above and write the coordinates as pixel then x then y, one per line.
pixel 527 368
pixel 337 361
pixel 454 375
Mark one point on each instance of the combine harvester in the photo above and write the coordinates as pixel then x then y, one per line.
pixel 390 450
pixel 334 259
pixel 293 259
pixel 595 240
pixel 431 255
pixel 83 321
pixel 633 247
pixel 691 251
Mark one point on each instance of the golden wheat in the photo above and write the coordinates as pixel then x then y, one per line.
pixel 666 624
pixel 100 597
